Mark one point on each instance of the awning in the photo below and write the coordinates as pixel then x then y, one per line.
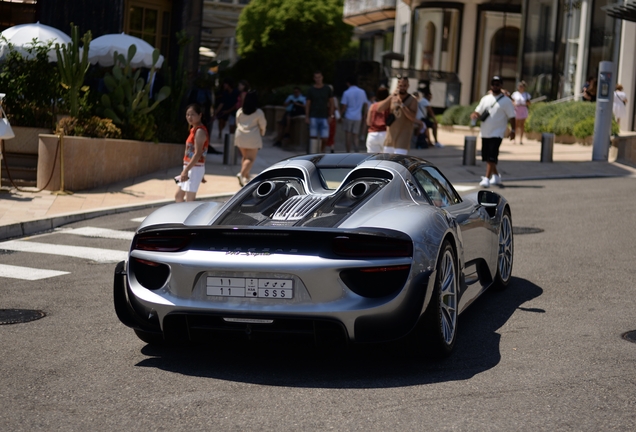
pixel 625 11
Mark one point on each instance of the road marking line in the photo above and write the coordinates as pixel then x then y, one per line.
pixel 462 188
pixel 100 232
pixel 139 219
pixel 27 273
pixel 95 254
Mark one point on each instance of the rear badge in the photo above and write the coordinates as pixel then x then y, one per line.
pixel 248 321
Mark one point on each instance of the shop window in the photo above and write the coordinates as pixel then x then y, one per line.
pixel 435 39
pixel 150 21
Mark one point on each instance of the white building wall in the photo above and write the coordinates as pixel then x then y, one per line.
pixel 627 71
pixel 467 52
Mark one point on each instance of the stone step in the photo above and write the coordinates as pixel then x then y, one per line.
pixel 21 160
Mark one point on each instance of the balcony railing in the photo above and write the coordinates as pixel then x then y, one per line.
pixel 359 12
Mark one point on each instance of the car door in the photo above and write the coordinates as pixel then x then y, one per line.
pixel 471 218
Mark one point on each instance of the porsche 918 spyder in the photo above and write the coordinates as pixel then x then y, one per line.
pixel 357 247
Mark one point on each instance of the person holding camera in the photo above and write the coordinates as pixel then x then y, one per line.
pixel 402 109
pixel 495 110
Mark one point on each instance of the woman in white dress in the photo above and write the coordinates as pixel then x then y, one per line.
pixel 521 101
pixel 620 102
pixel 250 127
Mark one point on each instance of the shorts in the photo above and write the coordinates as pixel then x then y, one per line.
pixel 521 112
pixel 195 175
pixel 231 119
pixel 428 122
pixel 318 127
pixel 351 126
pixel 490 149
pixel 375 142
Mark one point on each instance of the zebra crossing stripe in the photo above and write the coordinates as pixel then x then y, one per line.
pixel 463 188
pixel 101 233
pixel 94 254
pixel 27 273
pixel 139 219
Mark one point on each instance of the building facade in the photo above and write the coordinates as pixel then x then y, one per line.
pixel 455 47
pixel 155 21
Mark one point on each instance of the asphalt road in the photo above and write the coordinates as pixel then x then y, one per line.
pixel 546 354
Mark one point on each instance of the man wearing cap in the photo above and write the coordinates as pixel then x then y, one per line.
pixel 495 110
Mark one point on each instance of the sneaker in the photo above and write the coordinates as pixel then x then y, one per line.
pixel 245 180
pixel 485 182
pixel 240 179
pixel 438 144
pixel 495 179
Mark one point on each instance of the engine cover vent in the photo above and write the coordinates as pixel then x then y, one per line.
pixel 297 207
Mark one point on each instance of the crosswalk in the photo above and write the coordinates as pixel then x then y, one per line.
pixel 33 246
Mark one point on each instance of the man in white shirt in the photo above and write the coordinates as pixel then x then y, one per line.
pixel 353 103
pixel 493 128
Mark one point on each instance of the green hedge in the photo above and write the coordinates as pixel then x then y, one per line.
pixel 568 118
pixel 458 115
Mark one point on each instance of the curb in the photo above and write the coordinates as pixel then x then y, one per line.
pixel 22 229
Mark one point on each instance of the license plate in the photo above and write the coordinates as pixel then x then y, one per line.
pixel 250 287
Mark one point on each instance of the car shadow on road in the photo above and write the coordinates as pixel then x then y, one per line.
pixel 366 366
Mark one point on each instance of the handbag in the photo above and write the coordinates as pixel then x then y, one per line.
pixel 486 113
pixel 5 127
pixel 390 119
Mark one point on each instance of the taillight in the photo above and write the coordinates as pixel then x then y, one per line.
pixel 375 282
pixel 156 242
pixel 362 246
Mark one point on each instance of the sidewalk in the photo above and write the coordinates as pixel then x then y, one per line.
pixel 23 213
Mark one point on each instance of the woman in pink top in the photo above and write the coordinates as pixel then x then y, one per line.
pixel 376 121
pixel 194 158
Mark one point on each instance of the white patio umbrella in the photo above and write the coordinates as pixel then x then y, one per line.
pixel 22 36
pixel 103 48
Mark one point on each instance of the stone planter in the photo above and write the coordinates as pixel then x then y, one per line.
pixel 95 162
pixel 25 141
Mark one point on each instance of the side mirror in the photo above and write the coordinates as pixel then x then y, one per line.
pixel 489 200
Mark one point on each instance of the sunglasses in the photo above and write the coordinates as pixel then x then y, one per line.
pixel 496 83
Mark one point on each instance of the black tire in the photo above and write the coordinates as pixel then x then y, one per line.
pixel 150 338
pixel 505 255
pixel 439 325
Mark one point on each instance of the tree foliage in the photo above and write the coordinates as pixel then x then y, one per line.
pixel 284 41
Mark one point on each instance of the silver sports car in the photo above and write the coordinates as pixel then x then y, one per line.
pixel 356 247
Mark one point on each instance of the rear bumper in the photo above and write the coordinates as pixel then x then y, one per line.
pixel 353 319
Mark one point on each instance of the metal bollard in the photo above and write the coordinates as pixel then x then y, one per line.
pixel 315 145
pixel 470 150
pixel 229 151
pixel 547 147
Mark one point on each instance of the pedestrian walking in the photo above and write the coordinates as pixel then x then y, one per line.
pixel 401 118
pixel 250 128
pixel 376 121
pixel 294 107
pixel 194 157
pixel 333 123
pixel 620 103
pixel 427 115
pixel 353 103
pixel 521 100
pixel 318 110
pixel 495 111
pixel 225 111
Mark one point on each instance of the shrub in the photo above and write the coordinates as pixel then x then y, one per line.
pixel 458 115
pixel 568 115
pixel 92 127
pixel 540 116
pixel 32 85
pixel 449 116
